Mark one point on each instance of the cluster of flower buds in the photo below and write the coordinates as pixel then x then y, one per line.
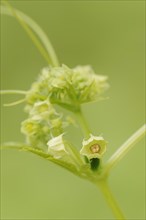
pixel 68 88
pixel 42 123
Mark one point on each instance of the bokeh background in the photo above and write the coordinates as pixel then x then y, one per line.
pixel 109 35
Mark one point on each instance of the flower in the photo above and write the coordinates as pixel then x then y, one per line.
pixel 30 126
pixel 67 87
pixel 56 147
pixel 94 147
pixel 42 110
pixel 43 121
pixel 36 131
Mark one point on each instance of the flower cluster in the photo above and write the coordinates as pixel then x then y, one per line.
pixel 42 123
pixel 67 87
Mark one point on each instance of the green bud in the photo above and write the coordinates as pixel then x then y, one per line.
pixel 42 110
pixel 43 120
pixel 37 132
pixel 30 127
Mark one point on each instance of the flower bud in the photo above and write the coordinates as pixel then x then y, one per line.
pixel 56 147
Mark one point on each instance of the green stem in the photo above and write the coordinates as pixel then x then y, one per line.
pixel 15 103
pixel 83 124
pixel 28 24
pixel 123 150
pixel 19 92
pixel 112 203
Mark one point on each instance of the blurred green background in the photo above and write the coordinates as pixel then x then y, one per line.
pixel 109 35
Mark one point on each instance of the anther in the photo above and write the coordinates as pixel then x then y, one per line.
pixel 95 148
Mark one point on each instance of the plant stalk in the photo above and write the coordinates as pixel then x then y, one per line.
pixel 109 198
pixel 83 124
pixel 124 149
pixel 18 92
pixel 45 47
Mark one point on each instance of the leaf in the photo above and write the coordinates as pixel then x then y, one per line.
pixel 41 153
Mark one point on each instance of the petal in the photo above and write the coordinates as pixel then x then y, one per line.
pixel 56 147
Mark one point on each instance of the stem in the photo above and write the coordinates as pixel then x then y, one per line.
pixel 15 103
pixel 112 203
pixel 19 92
pixel 123 150
pixel 48 51
pixel 83 124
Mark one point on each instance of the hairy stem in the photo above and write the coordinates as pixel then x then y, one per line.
pixel 109 198
pixel 123 150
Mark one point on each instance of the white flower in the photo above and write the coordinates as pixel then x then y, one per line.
pixel 56 147
pixel 94 147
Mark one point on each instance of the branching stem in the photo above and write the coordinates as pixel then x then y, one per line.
pixel 124 149
pixel 44 46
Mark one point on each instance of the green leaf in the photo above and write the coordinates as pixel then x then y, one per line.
pixel 41 153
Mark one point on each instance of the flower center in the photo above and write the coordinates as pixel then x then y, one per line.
pixel 95 148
